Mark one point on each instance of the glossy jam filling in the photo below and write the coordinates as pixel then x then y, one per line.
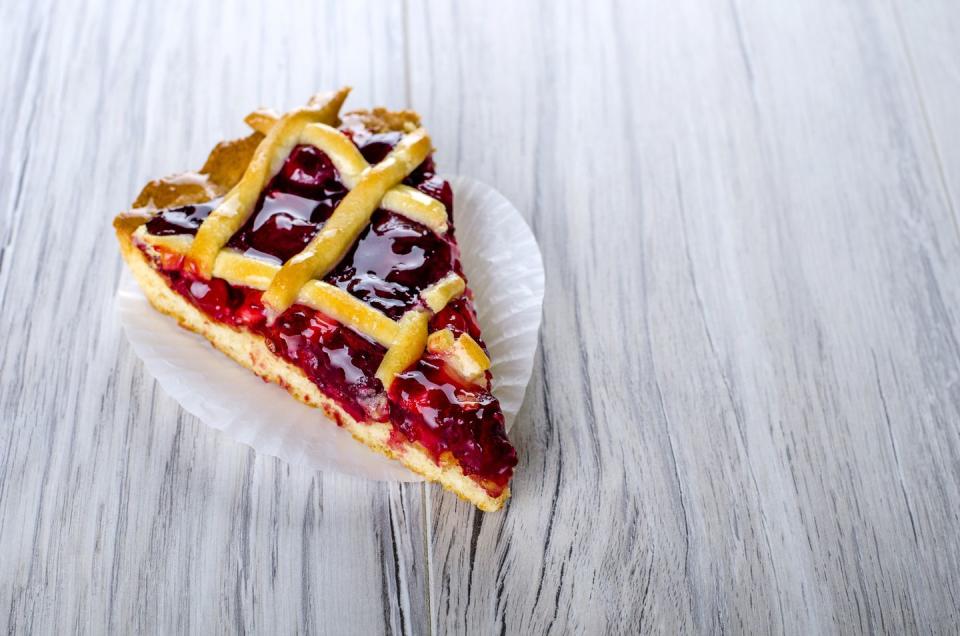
pixel 432 407
pixel 459 317
pixel 292 207
pixel 340 361
pixel 182 220
pixel 392 261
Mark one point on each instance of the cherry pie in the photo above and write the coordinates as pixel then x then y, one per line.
pixel 319 252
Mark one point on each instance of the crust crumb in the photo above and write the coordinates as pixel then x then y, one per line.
pixel 382 120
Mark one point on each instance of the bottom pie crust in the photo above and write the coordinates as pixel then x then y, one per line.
pixel 251 351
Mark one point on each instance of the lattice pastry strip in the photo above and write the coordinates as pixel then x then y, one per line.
pixel 443 291
pixel 408 347
pixel 230 215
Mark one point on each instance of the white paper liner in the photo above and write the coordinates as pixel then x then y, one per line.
pixel 505 271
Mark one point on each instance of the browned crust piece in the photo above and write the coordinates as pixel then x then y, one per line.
pixel 379 120
pixel 222 170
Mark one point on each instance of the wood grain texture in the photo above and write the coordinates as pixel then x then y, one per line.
pixel 928 34
pixel 745 414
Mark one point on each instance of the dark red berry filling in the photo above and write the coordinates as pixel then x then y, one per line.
pixel 340 361
pixel 434 408
pixel 292 207
pixel 182 220
pixel 392 262
pixel 459 317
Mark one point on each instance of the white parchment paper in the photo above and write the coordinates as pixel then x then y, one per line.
pixel 505 270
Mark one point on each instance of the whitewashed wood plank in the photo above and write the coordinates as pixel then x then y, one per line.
pixel 118 512
pixel 745 416
pixel 930 34
pixel 865 289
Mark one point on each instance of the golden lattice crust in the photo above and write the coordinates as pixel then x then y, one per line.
pixel 237 171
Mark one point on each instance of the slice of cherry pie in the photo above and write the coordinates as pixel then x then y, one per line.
pixel 319 252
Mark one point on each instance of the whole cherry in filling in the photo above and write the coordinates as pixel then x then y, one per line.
pixel 292 207
pixel 392 262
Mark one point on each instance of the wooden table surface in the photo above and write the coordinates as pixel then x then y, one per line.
pixel 745 411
